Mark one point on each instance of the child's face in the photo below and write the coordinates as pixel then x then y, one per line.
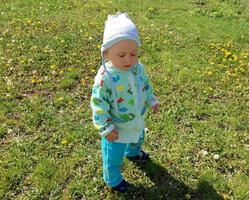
pixel 123 54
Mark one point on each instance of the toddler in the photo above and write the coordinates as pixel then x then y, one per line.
pixel 120 95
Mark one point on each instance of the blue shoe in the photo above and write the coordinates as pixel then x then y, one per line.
pixel 142 157
pixel 121 187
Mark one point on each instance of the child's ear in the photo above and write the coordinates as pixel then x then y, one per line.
pixel 106 54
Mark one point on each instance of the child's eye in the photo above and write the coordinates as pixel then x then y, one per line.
pixel 121 56
pixel 133 54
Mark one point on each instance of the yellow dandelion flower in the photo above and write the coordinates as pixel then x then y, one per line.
pixel 98 46
pixel 61 72
pixel 150 9
pixel 64 142
pixel 28 21
pixel 242 69
pixel 209 73
pixel 227 53
pixel 223 50
pixel 225 196
pixel 52 66
pixel 30 60
pixel 235 58
pixel 33 81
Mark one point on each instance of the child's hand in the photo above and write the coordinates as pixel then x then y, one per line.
pixel 112 136
pixel 155 108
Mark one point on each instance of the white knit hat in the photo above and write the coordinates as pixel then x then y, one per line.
pixel 117 28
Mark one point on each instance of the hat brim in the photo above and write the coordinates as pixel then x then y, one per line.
pixel 119 38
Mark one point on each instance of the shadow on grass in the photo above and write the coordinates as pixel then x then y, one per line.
pixel 168 187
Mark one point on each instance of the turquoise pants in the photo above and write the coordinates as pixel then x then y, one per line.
pixel 113 154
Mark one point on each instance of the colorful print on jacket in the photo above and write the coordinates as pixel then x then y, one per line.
pixel 133 94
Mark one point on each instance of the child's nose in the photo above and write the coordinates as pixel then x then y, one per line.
pixel 128 59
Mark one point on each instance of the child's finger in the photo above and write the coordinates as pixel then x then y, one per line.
pixel 114 137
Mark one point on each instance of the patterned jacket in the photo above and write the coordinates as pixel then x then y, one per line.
pixel 119 100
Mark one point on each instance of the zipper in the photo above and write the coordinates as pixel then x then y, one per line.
pixel 135 91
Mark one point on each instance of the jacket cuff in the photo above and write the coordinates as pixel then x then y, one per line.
pixel 107 131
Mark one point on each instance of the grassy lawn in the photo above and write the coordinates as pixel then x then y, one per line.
pixel 196 53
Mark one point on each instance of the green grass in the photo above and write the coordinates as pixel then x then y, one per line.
pixel 197 56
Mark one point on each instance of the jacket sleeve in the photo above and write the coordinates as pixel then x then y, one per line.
pixel 151 99
pixel 100 109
